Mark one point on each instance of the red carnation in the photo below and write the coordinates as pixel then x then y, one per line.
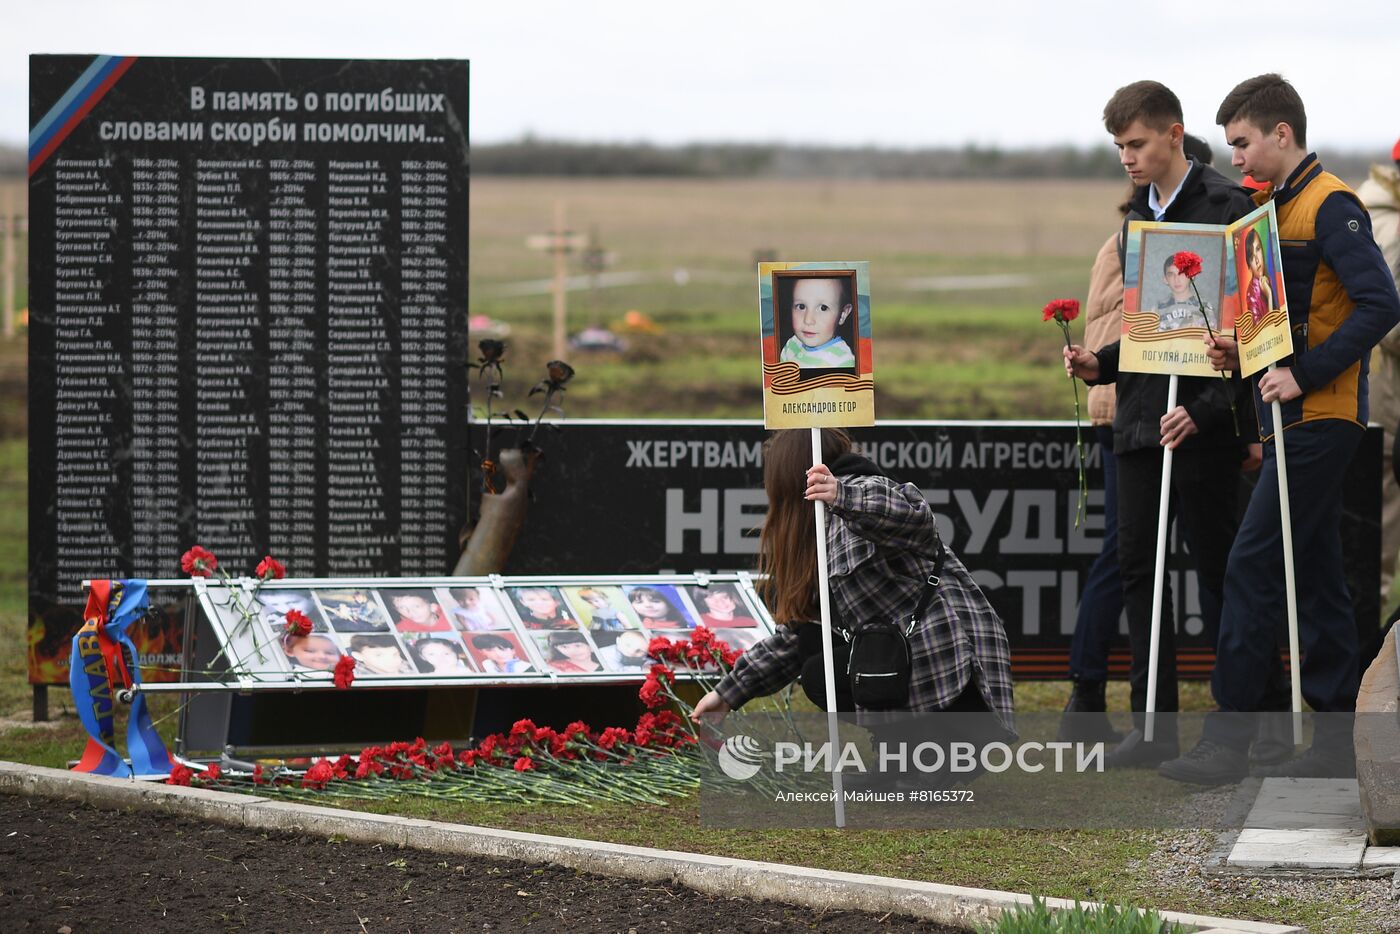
pixel 487 748
pixel 212 773
pixel 613 735
pixel 198 562
pixel 298 623
pixel 650 693
pixel 1187 263
pixel 179 775
pixel 270 569
pixel 258 773
pixel 318 775
pixel 341 767
pixel 345 672
pixel 1063 310
pixel 524 764
pixel 664 649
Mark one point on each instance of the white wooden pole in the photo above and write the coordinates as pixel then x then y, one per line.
pixel 561 270
pixel 1159 573
pixel 1289 577
pixel 828 663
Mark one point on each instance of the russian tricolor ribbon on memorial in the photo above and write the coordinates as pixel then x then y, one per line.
pixel 103 658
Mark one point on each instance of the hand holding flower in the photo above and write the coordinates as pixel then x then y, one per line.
pixel 1223 353
pixel 1081 363
pixel 1078 361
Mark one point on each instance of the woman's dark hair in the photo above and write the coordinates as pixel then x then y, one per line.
pixel 787 546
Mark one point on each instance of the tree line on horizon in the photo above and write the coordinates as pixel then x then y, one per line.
pixel 540 157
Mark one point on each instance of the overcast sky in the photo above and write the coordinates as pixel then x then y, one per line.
pixel 891 74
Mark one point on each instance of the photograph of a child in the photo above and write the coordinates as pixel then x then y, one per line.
pixel 721 606
pixel 1168 292
pixel 498 653
pixel 310 653
pixel 352 611
pixel 274 605
pixel 415 610
pixel 568 652
pixel 624 652
pixel 439 655
pixel 542 608
pixel 377 655
pixel 815 317
pixel 473 609
pixel 1256 272
pixel 659 606
pixel 601 609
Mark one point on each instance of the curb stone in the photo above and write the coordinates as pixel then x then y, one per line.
pixel 713 875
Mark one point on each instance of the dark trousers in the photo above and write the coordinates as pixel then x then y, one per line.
pixel 1205 489
pixel 1318 453
pixel 1101 600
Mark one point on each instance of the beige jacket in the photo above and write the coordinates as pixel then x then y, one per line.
pixel 1380 193
pixel 1103 321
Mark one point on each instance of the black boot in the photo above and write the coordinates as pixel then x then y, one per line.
pixel 1135 752
pixel 1208 763
pixel 1085 719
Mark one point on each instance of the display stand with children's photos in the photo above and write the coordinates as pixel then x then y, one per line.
pixel 415 633
pixel 484 631
pixel 1169 316
pixel 818 372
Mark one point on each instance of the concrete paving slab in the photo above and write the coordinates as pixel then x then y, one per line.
pixel 1381 857
pixel 1299 838
pixel 1343 858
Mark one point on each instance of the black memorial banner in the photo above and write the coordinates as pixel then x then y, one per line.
pixel 248 303
pixel 658 498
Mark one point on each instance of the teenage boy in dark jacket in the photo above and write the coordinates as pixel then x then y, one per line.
pixel 1145 120
pixel 1341 302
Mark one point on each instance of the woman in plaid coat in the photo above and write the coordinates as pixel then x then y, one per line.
pixel 882 544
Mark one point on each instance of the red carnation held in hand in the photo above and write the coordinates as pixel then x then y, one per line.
pixel 1062 310
pixel 345 672
pixel 1187 263
pixel 198 562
